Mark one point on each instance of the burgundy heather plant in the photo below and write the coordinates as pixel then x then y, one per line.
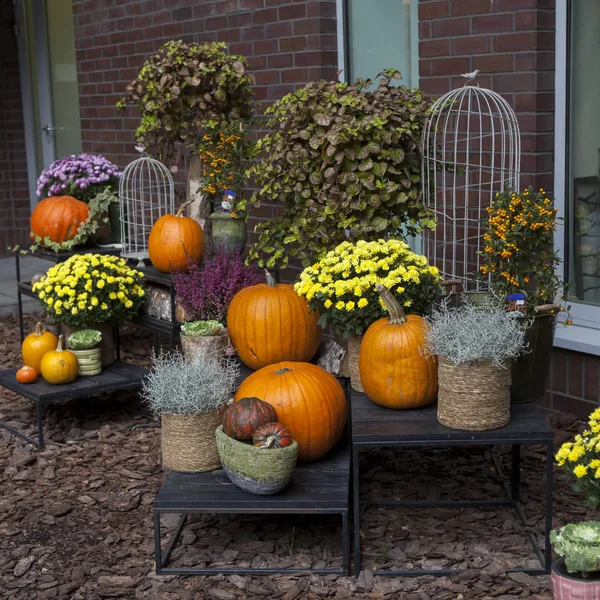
pixel 206 291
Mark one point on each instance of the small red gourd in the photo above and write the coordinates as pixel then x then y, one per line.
pixel 272 435
pixel 26 374
pixel 242 418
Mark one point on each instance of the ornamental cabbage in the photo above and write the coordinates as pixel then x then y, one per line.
pixel 579 543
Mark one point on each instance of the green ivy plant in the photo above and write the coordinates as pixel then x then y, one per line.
pixel 185 89
pixel 344 161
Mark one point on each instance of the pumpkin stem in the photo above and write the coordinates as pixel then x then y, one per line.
pixel 38 328
pixel 60 348
pixel 269 441
pixel 397 316
pixel 282 371
pixel 270 279
pixel 179 212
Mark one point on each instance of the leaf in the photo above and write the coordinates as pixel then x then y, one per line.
pixel 322 118
pixel 330 172
pixel 365 165
pixel 238 67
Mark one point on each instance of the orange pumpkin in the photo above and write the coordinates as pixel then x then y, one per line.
pixel 59 366
pixel 392 369
pixel 268 323
pixel 26 374
pixel 35 345
pixel 175 239
pixel 58 218
pixel 309 401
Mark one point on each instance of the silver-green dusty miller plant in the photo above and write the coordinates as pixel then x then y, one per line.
pixel 579 543
pixel 175 386
pixel 471 333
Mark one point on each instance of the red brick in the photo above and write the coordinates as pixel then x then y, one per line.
pixel 267 77
pixel 256 63
pixel 493 23
pixel 321 9
pixel 434 10
pixel 473 44
pixel 257 32
pixel 292 44
pixel 228 6
pixel 278 30
pixel 503 5
pixel 216 23
pixel 513 42
pixel 439 47
pixel 251 4
pixel 275 92
pixel 315 25
pixel 451 66
pixel 325 41
pixel 450 27
pixel 280 61
pixel 266 47
pixel 268 15
pixel 308 59
pixel 293 11
pixel 424 30
pixel 470 7
pixel 526 19
pixel 294 75
pixel 493 63
pixel 425 67
pixel 592 378
pixel 436 86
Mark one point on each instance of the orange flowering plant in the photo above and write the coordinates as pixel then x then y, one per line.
pixel 519 248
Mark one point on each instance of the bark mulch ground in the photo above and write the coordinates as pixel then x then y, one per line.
pixel 76 518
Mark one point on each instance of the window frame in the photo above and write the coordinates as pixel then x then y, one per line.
pixel 584 334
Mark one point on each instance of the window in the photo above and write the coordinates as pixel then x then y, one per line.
pixel 577 172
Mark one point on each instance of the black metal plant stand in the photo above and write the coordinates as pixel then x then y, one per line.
pixel 373 426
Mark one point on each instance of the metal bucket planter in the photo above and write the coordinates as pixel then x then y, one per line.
pixel 256 470
pixel 201 347
pixel 566 586
pixel 228 233
pixel 474 397
pixel 90 361
pixel 188 441
pixel 530 370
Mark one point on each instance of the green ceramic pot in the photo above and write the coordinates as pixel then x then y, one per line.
pixel 256 470
pixel 228 234
pixel 90 361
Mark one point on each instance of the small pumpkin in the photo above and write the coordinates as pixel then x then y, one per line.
pixel 241 419
pixel 26 374
pixel 58 218
pixel 392 368
pixel 59 366
pixel 270 323
pixel 35 345
pixel 174 240
pixel 310 402
pixel 272 435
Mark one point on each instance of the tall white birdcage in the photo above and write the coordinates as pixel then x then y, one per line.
pixel 146 193
pixel 471 151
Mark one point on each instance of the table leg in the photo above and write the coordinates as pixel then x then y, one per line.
pixel 157 543
pixel 346 543
pixel 515 492
pixel 41 409
pixel 356 508
pixel 549 465
pixel 20 310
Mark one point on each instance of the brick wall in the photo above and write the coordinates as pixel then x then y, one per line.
pixel 512 43
pixel 287 43
pixel 14 190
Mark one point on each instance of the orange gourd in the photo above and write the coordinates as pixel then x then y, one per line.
pixel 35 345
pixel 393 371
pixel 26 374
pixel 58 218
pixel 59 366
pixel 174 240
pixel 269 323
pixel 309 401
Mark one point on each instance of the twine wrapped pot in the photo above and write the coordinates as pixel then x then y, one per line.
pixel 262 471
pixel 188 441
pixel 353 351
pixel 199 347
pixel 474 397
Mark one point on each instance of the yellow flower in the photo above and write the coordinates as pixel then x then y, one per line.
pixel 74 311
pixel 362 303
pixel 340 305
pixel 104 306
pixel 580 471
pixel 112 296
pixel 128 303
pixel 81 304
pixel 94 301
pixel 350 305
pixel 327 303
pixel 120 295
pixel 100 284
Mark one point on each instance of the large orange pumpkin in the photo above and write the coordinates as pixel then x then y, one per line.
pixel 309 401
pixel 175 239
pixel 269 323
pixel 58 218
pixel 392 368
pixel 35 345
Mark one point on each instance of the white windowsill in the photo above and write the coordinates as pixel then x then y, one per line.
pixel 578 338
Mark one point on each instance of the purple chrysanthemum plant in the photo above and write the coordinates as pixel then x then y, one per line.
pixel 205 291
pixel 82 176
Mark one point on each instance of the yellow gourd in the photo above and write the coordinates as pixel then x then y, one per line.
pixel 59 366
pixel 35 345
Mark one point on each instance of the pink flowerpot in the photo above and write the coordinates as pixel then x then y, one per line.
pixel 566 586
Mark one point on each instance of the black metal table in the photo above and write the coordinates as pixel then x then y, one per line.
pixel 320 487
pixel 118 376
pixel 373 426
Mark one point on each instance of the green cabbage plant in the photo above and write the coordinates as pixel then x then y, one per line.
pixel 579 543
pixel 203 328
pixel 84 339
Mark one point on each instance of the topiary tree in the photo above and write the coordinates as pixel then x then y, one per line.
pixel 185 89
pixel 342 160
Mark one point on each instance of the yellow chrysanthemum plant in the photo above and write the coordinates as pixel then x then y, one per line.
pixel 582 458
pixel 89 289
pixel 341 286
pixel 519 249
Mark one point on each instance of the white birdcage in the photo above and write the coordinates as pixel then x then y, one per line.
pixel 471 151
pixel 146 193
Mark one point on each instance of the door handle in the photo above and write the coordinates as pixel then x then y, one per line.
pixel 48 128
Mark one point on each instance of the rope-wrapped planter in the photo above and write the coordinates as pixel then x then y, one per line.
pixel 262 471
pixel 188 441
pixel 473 397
